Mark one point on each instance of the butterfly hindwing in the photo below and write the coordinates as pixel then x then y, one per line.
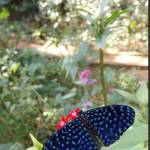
pixel 111 121
pixel 73 136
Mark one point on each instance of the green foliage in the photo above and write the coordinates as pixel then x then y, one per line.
pixel 99 22
pixel 115 15
pixel 30 84
pixel 36 89
pixel 141 98
pixel 103 5
pixel 137 135
pixel 12 146
pixel 18 8
pixel 37 145
pixel 128 95
pixel 5 146
pixel 72 63
pixel 142 93
pixel 5 13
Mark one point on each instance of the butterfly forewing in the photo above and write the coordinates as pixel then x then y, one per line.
pixel 73 136
pixel 111 121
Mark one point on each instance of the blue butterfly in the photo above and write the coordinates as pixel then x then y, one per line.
pixel 107 123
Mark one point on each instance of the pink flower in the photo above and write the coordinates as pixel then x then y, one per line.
pixel 84 77
pixel 73 113
pixel 62 122
pixel 112 90
pixel 108 95
pixel 84 74
pixel 86 103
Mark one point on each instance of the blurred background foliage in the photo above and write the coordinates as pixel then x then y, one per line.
pixel 57 20
pixel 35 88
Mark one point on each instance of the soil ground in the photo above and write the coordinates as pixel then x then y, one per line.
pixel 112 57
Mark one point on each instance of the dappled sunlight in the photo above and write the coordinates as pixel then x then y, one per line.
pixel 112 56
pixel 132 60
pixel 58 51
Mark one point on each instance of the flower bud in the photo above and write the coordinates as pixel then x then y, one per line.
pixel 127 80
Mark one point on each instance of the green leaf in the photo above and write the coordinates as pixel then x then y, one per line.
pixel 40 77
pixel 79 9
pixel 34 87
pixel 115 15
pixel 114 97
pixel 61 35
pixel 16 146
pixel 130 138
pixel 5 13
pixel 33 67
pixel 145 148
pixel 142 94
pixel 108 76
pixel 37 145
pixel 103 5
pixel 137 123
pixel 88 17
pixel 92 60
pixel 96 90
pixel 58 98
pixel 12 107
pixel 70 63
pixel 69 95
pixel 75 59
pixel 31 148
pixel 100 40
pixel 5 146
pixel 77 82
pixel 137 147
pixel 121 70
pixel 61 89
pixel 83 50
pixel 65 64
pixel 7 104
pixel 73 90
pixel 73 72
pixel 15 68
pixel 133 23
pixel 129 30
pixel 127 95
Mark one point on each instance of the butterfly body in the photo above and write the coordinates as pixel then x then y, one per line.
pixel 108 123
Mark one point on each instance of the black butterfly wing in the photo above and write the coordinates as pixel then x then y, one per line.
pixel 73 136
pixel 111 121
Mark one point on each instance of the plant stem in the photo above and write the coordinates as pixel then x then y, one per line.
pixel 101 66
pixel 4 44
pixel 7 110
pixel 9 129
pixel 38 101
pixel 42 100
pixel 142 112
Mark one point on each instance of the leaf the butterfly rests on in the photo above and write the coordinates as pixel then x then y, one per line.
pixel 107 123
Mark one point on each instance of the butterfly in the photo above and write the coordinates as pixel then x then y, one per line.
pixel 107 123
